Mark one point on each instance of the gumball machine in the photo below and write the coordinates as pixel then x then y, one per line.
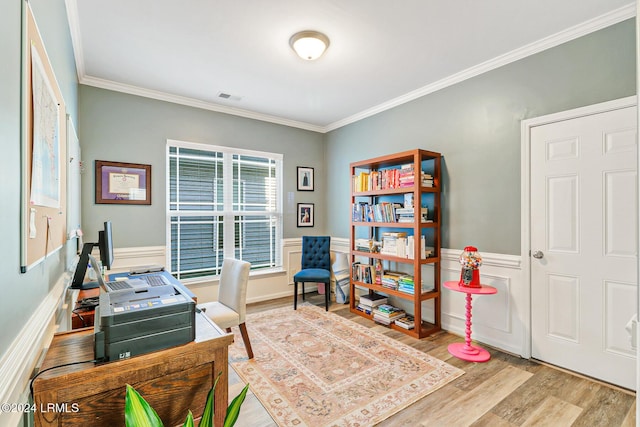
pixel 471 261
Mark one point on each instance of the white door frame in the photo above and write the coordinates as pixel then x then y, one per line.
pixel 525 201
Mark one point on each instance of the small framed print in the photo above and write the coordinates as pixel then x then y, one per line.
pixel 305 178
pixel 305 214
pixel 123 183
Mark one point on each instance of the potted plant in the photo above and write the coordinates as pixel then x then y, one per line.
pixel 138 413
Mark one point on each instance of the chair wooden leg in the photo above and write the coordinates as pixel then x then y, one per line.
pixel 228 330
pixel 295 295
pixel 302 291
pixel 245 338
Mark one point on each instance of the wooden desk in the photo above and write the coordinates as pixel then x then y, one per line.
pixel 173 380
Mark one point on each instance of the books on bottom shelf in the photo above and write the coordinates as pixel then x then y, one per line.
pixel 369 301
pixel 406 322
pixel 373 300
pixel 386 314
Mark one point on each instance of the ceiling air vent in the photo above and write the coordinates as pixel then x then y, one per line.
pixel 229 96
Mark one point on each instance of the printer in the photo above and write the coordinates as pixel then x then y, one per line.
pixel 132 322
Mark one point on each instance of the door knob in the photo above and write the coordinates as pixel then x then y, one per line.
pixel 538 254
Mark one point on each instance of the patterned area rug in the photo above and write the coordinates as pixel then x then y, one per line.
pixel 314 368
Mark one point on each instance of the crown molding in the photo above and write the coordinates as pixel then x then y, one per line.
pixel 587 27
pixel 196 103
pixel 74 29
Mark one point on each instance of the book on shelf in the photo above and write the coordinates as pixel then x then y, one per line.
pixel 387 313
pixel 367 245
pixel 364 273
pixel 427 179
pixel 400 245
pixel 408 214
pixel 407 321
pixel 408 200
pixel 391 242
pixel 390 279
pixel 378 212
pixel 403 176
pixel 363 308
pixel 406 284
pixel 373 300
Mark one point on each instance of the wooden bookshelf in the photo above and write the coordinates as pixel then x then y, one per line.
pixel 383 180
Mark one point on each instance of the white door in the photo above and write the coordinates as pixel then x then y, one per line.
pixel 584 228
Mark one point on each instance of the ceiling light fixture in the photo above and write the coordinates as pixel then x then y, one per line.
pixel 309 45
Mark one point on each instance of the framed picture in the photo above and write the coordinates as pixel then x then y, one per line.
pixel 123 183
pixel 305 178
pixel 305 214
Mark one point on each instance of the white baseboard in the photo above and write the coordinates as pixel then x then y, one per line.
pixel 18 363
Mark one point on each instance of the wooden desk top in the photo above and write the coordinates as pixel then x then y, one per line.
pixel 77 345
pixel 172 380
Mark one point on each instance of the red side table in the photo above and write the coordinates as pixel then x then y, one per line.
pixel 466 351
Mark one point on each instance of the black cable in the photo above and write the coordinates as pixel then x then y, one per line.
pixel 84 323
pixel 56 367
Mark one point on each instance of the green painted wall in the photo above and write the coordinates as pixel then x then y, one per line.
pixel 476 126
pixel 21 293
pixel 126 128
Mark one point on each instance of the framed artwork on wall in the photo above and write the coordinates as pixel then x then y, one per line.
pixel 305 214
pixel 123 183
pixel 305 178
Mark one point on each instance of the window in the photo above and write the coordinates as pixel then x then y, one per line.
pixel 222 203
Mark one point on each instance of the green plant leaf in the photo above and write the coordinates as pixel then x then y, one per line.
pixel 207 414
pixel 189 421
pixel 137 412
pixel 234 408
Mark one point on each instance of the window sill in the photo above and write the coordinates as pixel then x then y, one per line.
pixel 253 274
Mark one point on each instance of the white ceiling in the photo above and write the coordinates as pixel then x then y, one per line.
pixel 382 53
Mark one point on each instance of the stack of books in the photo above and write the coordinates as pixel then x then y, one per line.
pixel 405 284
pixel 386 314
pixel 427 180
pixel 394 243
pixel 406 176
pixel 368 302
pixel 390 279
pixel 407 214
pixel 406 322
pixel 366 245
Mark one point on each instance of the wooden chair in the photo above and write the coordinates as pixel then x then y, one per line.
pixel 231 307
pixel 315 266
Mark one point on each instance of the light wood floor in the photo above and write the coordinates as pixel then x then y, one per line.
pixel 506 391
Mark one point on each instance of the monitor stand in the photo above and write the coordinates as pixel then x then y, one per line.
pixel 87 285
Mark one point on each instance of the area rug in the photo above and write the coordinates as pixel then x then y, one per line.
pixel 314 368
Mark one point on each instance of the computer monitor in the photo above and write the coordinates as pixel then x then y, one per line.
pixel 105 245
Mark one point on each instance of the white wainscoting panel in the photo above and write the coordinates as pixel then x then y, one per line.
pixel 21 358
pixel 496 320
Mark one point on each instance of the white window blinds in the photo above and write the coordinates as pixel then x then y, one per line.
pixel 222 202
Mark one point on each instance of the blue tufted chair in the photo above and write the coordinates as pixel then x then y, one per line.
pixel 315 266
